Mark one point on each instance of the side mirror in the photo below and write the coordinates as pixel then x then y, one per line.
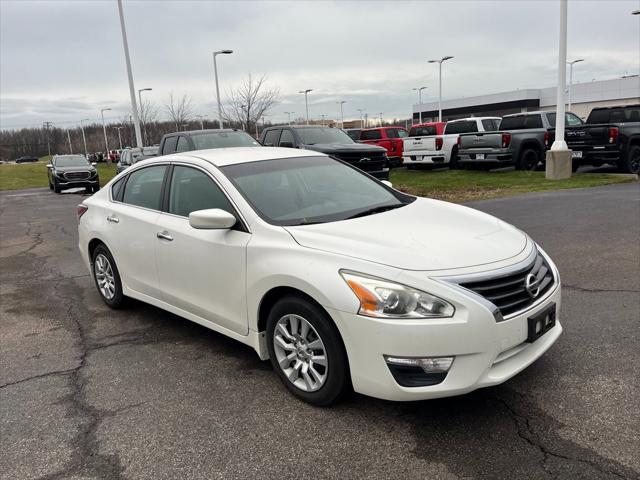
pixel 387 183
pixel 49 165
pixel 211 219
pixel 94 163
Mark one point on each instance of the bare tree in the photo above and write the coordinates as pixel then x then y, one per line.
pixel 179 109
pixel 250 102
pixel 148 111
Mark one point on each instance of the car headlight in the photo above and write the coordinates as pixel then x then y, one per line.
pixel 384 299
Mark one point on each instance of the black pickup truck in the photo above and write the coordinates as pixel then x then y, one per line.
pixel 610 135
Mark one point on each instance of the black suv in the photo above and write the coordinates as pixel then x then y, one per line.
pixel 332 141
pixel 203 140
pixel 72 171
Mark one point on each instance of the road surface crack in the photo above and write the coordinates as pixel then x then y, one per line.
pixel 36 377
pixel 598 290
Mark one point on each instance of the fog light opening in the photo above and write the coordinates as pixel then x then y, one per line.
pixel 418 372
pixel 428 364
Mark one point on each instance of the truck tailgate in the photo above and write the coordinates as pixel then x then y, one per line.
pixel 587 135
pixel 481 140
pixel 414 145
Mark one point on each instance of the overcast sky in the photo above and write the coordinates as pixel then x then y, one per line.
pixel 62 61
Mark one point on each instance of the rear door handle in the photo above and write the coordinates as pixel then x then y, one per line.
pixel 165 236
pixel 113 219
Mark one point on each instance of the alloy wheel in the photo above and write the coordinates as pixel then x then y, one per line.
pixel 300 353
pixel 104 277
pixel 634 162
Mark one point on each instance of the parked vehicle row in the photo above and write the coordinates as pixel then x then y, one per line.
pixel 339 280
pixel 129 156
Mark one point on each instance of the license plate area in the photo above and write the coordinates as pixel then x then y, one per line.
pixel 576 154
pixel 479 156
pixel 541 323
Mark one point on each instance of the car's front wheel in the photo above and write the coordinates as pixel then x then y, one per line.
pixel 107 277
pixel 306 351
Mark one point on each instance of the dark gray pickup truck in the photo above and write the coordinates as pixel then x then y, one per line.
pixel 522 140
pixel 610 135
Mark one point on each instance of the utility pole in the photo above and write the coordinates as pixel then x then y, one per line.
pixel 439 62
pixel 361 110
pixel 380 118
pixel 289 115
pixel 366 120
pixel 419 90
pixel 47 126
pixel 144 124
pixel 84 139
pixel 132 91
pixel 215 74
pixel 306 101
pixel 119 136
pixel 104 131
pixel 69 140
pixel 322 121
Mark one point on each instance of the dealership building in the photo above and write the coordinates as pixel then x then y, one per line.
pixel 585 96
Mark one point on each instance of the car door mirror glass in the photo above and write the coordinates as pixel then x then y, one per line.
pixel 211 219
pixel 94 163
pixel 49 165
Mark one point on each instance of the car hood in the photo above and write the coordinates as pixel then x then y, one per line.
pixel 344 147
pixel 89 168
pixel 424 235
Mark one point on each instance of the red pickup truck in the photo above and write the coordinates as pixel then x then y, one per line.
pixel 387 137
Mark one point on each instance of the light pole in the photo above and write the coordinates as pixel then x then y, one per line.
pixel 571 77
pixel 289 115
pixel 215 73
pixel 47 126
pixel 341 102
pixel 361 110
pixel 242 107
pixel 439 62
pixel 104 130
pixel 144 124
pixel 306 101
pixel 84 139
pixel 69 140
pixel 322 121
pixel 419 90
pixel 201 117
pixel 119 136
pixel 380 118
pixel 132 92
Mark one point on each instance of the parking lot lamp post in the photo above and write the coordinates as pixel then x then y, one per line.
pixel 144 125
pixel 306 101
pixel 419 90
pixel 69 140
pixel 119 136
pixel 361 110
pixel 571 77
pixel 439 62
pixel 380 118
pixel 104 130
pixel 322 121
pixel 84 139
pixel 341 102
pixel 201 117
pixel 289 116
pixel 215 74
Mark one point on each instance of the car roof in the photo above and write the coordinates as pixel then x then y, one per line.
pixel 537 112
pixel 221 157
pixel 384 128
pixel 474 118
pixel 201 132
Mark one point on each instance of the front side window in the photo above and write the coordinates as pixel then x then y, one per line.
pixel 183 144
pixel 169 146
pixel 286 139
pixel 305 190
pixel 271 137
pixel 193 190
pixel 402 133
pixel 144 186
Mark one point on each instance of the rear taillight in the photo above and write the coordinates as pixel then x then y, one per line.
pixel 459 141
pixel 613 134
pixel 545 139
pixel 81 210
pixel 438 144
pixel 506 140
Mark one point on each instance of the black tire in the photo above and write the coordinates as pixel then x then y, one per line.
pixel 88 190
pixel 50 186
pixel 453 161
pixel 575 165
pixel 528 160
pixel 337 382
pixel 56 188
pixel 631 162
pixel 96 188
pixel 118 300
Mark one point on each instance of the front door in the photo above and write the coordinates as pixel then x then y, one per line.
pixel 201 271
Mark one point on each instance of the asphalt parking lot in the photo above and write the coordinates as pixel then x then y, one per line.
pixel 86 392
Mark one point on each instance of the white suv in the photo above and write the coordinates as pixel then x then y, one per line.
pixel 342 281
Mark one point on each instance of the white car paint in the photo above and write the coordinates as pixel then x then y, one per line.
pixel 218 278
pixel 422 150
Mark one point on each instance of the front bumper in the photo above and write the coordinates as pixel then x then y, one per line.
pixel 90 182
pixel 486 352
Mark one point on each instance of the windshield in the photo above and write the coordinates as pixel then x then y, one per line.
pixel 71 161
pixel 223 140
pixel 305 190
pixel 313 135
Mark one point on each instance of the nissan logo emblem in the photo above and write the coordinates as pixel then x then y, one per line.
pixel 532 285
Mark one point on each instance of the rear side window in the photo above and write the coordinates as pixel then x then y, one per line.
pixel 533 121
pixel 183 145
pixel 193 190
pixel 169 146
pixel 598 116
pixel 144 187
pixel 286 139
pixel 622 115
pixel 271 138
pixel 422 131
pixel 466 126
pixel 512 123
pixel 370 135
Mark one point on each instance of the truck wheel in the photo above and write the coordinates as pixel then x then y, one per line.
pixel 56 188
pixel 528 160
pixel 453 161
pixel 575 165
pixel 632 162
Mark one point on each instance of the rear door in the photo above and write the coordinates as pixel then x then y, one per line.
pixel 201 271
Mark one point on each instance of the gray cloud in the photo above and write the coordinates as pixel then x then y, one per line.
pixel 63 60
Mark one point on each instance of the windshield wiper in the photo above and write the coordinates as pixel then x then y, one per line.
pixel 371 211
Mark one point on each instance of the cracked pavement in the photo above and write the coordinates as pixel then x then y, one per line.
pixel 86 392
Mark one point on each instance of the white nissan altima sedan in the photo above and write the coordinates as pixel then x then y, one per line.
pixel 337 278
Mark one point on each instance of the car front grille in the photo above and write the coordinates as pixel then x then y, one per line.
pixel 516 291
pixel 77 175
pixel 367 161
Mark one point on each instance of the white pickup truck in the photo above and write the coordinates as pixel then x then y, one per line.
pixel 443 149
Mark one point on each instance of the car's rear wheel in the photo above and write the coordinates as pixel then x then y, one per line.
pixel 528 160
pixel 306 351
pixel 632 161
pixel 453 162
pixel 107 277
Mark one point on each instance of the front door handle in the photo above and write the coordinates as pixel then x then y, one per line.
pixel 113 219
pixel 165 236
